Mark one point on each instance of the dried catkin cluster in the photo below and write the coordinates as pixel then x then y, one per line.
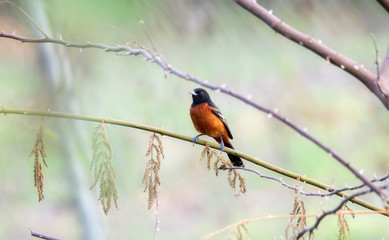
pixel 151 177
pixel 299 213
pixel 220 164
pixel 102 167
pixel 39 151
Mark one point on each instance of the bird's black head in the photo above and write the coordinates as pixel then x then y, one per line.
pixel 199 96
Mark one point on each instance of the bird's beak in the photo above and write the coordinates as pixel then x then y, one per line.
pixel 193 93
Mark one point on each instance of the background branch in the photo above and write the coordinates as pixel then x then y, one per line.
pixel 300 189
pixel 256 161
pixel 42 236
pixel 384 4
pixel 259 219
pixel 326 213
pixel 368 78
pixel 333 211
pixel 149 57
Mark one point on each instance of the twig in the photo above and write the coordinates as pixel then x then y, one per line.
pixel 383 81
pixel 28 16
pixel 42 236
pixel 365 76
pixel 334 210
pixel 377 60
pixel 256 161
pixel 300 189
pixel 245 221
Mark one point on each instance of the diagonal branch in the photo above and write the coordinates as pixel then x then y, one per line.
pixel 300 189
pixel 156 59
pixel 326 213
pixel 256 161
pixel 333 211
pixel 384 4
pixel 368 78
pixel 42 236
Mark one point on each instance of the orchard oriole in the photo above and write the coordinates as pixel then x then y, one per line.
pixel 208 120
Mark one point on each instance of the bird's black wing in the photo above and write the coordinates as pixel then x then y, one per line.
pixel 217 112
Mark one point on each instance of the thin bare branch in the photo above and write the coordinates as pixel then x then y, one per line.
pixel 383 73
pixel 42 236
pixel 259 219
pixel 330 193
pixel 300 189
pixel 334 210
pixel 377 59
pixel 25 14
pixel 365 76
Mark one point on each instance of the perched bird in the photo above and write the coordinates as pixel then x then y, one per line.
pixel 208 120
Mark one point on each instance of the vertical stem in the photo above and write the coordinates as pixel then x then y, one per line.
pixel 156 229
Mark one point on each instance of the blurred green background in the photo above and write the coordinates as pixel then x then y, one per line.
pixel 216 41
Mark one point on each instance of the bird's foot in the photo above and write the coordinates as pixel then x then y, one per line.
pixel 221 145
pixel 194 140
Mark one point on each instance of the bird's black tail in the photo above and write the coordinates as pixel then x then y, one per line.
pixel 236 161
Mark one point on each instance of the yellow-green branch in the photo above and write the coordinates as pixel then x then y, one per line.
pixel 247 157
